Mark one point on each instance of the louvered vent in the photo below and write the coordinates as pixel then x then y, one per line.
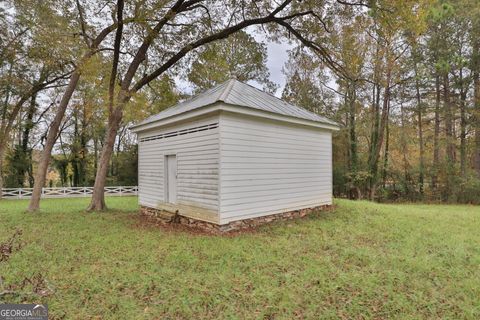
pixel 180 132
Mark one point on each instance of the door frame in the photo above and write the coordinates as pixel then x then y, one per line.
pixel 166 183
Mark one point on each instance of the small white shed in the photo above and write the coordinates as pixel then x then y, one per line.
pixel 232 156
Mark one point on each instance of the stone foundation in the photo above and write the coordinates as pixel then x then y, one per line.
pixel 165 217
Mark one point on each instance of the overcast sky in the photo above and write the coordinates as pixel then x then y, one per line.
pixel 277 57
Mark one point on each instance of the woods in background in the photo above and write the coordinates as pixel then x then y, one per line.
pixel 408 97
pixel 401 77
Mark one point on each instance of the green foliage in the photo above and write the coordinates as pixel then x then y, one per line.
pixel 362 260
pixel 160 94
pixel 239 56
pixel 466 190
pixel 18 163
pixel 63 167
pixel 127 170
pixel 305 76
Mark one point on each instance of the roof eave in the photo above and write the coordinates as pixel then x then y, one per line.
pixel 280 117
pixel 222 106
pixel 142 126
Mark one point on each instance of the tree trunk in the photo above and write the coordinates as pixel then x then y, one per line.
pixel 2 148
pixel 404 150
pixel 350 98
pixel 375 153
pixel 463 132
pixel 41 174
pixel 376 121
pixel 374 135
pixel 26 152
pixel 476 95
pixel 98 197
pixel 476 83
pixel 84 149
pixel 448 120
pixel 449 136
pixel 436 135
pixel 75 151
pixel 385 155
pixel 116 113
pixel 95 154
pixel 420 134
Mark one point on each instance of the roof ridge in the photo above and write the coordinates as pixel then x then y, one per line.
pixel 227 90
pixel 284 102
pixel 238 93
pixel 279 99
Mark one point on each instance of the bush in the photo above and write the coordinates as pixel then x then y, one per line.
pixel 466 190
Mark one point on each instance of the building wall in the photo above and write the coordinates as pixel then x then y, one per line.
pixel 197 168
pixel 269 167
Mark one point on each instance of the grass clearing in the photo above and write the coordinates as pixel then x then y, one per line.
pixel 362 260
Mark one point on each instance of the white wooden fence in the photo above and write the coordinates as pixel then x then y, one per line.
pixel 67 192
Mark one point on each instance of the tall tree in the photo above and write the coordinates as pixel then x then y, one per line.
pixel 239 56
pixel 475 66
pixel 196 17
pixel 26 65
pixel 92 42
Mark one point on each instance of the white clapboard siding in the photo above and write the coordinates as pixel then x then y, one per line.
pixel 270 167
pixel 197 165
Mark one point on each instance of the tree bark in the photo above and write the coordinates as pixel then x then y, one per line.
pixel 2 148
pixel 41 174
pixel 421 170
pixel 375 110
pixel 436 135
pixel 98 198
pixel 450 148
pixel 386 154
pixel 116 112
pixel 377 147
pixel 476 84
pixel 404 150
pixel 448 120
pixel 476 94
pixel 84 149
pixel 350 98
pixel 26 152
pixel 463 128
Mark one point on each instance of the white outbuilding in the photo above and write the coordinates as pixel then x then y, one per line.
pixel 232 156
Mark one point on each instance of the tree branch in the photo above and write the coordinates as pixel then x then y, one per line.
pixel 316 48
pixel 116 53
pixel 142 51
pixel 361 4
pixel 214 37
pixel 86 38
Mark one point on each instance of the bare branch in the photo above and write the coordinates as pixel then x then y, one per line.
pixel 323 53
pixel 116 52
pixel 86 38
pixel 360 3
pixel 142 51
pixel 222 34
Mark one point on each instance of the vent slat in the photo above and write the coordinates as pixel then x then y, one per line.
pixel 180 132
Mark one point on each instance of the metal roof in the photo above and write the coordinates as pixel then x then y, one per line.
pixel 238 93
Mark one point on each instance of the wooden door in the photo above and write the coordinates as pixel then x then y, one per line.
pixel 171 178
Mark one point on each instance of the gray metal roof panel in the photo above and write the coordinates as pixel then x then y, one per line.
pixel 237 93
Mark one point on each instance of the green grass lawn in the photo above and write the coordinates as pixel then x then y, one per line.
pixel 362 260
